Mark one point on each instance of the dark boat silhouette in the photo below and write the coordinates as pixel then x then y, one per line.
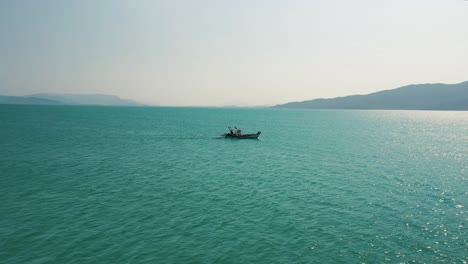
pixel 236 132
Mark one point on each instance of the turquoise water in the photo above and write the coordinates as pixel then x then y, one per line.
pixel 156 185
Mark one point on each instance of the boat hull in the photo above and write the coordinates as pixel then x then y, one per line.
pixel 244 136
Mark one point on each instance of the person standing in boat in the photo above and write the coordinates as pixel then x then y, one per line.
pixel 239 132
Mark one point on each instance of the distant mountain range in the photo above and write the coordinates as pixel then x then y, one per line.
pixel 68 99
pixel 412 97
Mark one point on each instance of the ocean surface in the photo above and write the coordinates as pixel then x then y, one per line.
pixel 83 184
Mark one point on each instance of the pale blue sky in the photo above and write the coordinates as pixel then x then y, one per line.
pixel 215 52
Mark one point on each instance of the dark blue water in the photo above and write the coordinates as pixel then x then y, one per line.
pixel 157 185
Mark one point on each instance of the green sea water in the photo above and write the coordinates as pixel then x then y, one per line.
pixel 157 185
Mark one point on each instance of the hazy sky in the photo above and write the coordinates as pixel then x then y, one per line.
pixel 216 52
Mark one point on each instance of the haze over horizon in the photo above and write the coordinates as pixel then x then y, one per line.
pixel 216 53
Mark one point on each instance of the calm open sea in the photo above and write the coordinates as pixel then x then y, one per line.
pixel 83 184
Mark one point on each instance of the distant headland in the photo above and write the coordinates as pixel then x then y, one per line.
pixel 435 96
pixel 69 99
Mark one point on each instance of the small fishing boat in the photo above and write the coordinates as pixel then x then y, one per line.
pixel 236 132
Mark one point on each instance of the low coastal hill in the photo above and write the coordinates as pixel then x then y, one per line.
pixel 412 97
pixel 68 99
pixel 26 100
